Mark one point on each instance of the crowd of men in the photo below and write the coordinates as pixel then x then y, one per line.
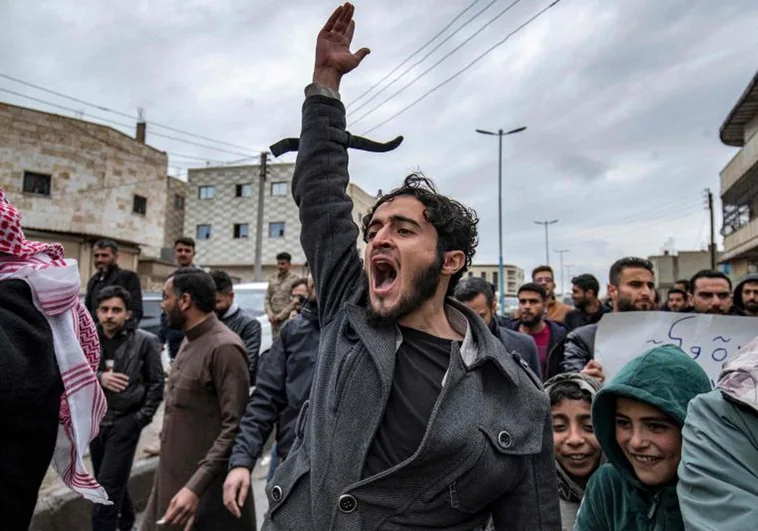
pixel 399 396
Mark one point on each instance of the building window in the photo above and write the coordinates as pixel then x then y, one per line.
pixel 494 279
pixel 244 190
pixel 241 230
pixel 276 229
pixel 203 232
pixel 279 189
pixel 205 192
pixel 37 183
pixel 178 202
pixel 484 275
pixel 470 274
pixel 139 206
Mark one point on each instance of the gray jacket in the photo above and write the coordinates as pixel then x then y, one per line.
pixel 488 446
pixel 579 349
pixel 249 330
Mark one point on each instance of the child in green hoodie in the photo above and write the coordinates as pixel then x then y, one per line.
pixel 638 418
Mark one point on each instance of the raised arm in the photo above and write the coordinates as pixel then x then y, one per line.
pixel 328 233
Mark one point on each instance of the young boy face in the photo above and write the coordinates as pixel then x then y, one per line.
pixel 650 440
pixel 576 448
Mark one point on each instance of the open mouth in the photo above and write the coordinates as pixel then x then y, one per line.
pixel 383 274
pixel 578 459
pixel 646 459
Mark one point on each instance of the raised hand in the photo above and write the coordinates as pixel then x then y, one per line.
pixel 333 56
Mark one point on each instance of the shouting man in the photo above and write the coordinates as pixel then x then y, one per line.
pixel 418 416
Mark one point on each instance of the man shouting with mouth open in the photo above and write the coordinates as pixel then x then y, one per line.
pixel 418 418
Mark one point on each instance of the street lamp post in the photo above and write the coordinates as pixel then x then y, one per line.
pixel 547 244
pixel 500 134
pixel 563 286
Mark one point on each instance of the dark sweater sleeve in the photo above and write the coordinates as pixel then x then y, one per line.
pixel 135 290
pixel 267 401
pixel 328 234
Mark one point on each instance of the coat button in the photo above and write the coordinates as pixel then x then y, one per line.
pixel 347 503
pixel 276 493
pixel 504 438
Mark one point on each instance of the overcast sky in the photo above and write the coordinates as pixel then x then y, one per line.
pixel 623 100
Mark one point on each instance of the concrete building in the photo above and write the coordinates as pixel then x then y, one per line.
pixel 739 185
pixel 514 276
pixel 76 182
pixel 670 267
pixel 222 214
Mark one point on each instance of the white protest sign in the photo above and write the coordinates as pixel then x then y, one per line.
pixel 709 339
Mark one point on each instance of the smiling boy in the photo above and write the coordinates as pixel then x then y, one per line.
pixel 638 419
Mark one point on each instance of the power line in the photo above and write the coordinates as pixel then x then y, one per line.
pixel 435 65
pixel 443 30
pixel 128 126
pixel 119 113
pixel 464 69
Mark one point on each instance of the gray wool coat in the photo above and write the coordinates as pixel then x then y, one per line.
pixel 488 446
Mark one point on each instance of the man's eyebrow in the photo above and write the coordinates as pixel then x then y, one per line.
pixel 397 218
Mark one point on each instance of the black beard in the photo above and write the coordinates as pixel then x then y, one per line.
pixel 425 286
pixel 531 323
pixel 582 304
pixel 176 319
pixel 751 307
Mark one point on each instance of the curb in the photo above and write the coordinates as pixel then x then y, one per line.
pixel 64 510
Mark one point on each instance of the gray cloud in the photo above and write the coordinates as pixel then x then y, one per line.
pixel 622 100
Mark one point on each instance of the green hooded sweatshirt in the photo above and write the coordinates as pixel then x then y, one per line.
pixel 667 379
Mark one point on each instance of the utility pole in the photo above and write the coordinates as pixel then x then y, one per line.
pixel 563 286
pixel 546 223
pixel 712 246
pixel 259 231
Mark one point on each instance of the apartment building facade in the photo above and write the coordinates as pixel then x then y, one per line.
pixel 76 182
pixel 221 213
pixel 514 276
pixel 739 185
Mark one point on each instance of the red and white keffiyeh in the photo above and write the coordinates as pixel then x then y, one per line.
pixel 54 282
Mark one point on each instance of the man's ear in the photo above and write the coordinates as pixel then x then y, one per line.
pixel 452 262
pixel 128 315
pixel 184 302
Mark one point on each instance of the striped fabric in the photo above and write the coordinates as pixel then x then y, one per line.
pixel 54 282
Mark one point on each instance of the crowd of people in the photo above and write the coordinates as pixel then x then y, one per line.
pixel 400 397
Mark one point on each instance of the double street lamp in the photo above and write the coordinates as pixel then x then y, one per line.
pixel 500 134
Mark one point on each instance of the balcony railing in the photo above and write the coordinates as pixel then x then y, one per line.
pixel 742 237
pixel 741 164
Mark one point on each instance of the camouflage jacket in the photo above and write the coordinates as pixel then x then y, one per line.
pixel 279 292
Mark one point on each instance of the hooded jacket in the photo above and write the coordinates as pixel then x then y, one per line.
pixel 570 492
pixel 718 474
pixel 738 302
pixel 667 379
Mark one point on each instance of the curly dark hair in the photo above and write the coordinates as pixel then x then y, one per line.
pixel 454 222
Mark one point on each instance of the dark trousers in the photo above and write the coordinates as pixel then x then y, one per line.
pixel 112 454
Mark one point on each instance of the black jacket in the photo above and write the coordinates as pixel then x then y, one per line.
pixel 115 276
pixel 579 349
pixel 576 318
pixel 249 330
pixel 521 344
pixel 139 357
pixel 283 386
pixel 554 348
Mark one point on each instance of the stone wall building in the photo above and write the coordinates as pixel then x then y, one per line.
pixel 222 215
pixel 739 185
pixel 76 182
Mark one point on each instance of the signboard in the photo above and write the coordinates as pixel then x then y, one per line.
pixel 709 339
